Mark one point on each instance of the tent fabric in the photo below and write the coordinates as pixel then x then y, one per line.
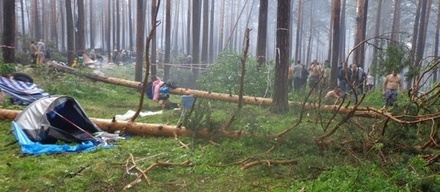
pixel 36 148
pixel 22 92
pixel 53 119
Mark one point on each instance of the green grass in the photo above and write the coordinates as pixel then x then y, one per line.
pixel 214 167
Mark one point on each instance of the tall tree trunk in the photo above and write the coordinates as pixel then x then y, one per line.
pixel 310 39
pixel 299 31
pixel 375 63
pixel 436 43
pixel 70 35
pixel 9 31
pixel 118 26
pixel 196 36
pixel 130 25
pixel 280 102
pixel 140 28
pixel 53 32
pixel 124 27
pixel 167 59
pixel 1 18
pixel 414 38
pixel 211 33
pixel 262 33
pixel 92 24
pixel 23 31
pixel 36 21
pixel 336 9
pixel 205 33
pixel 342 30
pixel 63 27
pixel 175 42
pixel 424 17
pixel 330 36
pixel 396 22
pixel 108 30
pixel 80 45
pixel 153 52
pixel 188 30
pixel 361 17
pixel 222 27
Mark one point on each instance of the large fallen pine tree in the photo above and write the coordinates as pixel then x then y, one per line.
pixel 110 125
pixel 260 101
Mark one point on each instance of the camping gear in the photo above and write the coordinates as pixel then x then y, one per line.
pixel 21 92
pixel 187 104
pixel 53 120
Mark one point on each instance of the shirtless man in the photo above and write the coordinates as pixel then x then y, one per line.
pixel 391 83
pixel 315 72
pixel 334 96
pixel 34 53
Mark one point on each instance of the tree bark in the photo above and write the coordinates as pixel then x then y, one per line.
pixel 359 53
pixel 70 35
pixel 196 36
pixel 8 31
pixel 436 43
pixel 262 33
pixel 139 39
pixel 80 40
pixel 211 33
pixel 91 24
pixel 336 10
pixel 205 28
pixel 153 50
pixel 282 57
pixel 396 22
pixel 167 59
pixel 299 26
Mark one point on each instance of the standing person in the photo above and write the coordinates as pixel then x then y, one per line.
pixel 357 78
pixel 297 75
pixel 34 52
pixel 344 76
pixel 290 77
pixel 370 82
pixel 304 75
pixel 315 72
pixel 390 85
pixel 41 51
pixel 326 74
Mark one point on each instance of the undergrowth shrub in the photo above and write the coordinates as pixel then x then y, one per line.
pixel 224 76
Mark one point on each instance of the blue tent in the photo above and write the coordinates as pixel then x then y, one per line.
pixel 41 126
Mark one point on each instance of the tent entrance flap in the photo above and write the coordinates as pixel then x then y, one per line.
pixel 68 123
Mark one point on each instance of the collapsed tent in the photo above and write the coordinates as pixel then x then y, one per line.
pixel 50 120
pixel 21 92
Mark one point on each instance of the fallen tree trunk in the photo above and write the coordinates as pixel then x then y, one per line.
pixel 138 128
pixel 362 112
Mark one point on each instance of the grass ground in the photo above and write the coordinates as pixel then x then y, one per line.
pixel 216 163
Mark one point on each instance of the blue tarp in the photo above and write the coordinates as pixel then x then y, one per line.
pixel 36 148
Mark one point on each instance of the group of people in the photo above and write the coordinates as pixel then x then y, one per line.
pixel 39 53
pixel 350 79
pixel 297 77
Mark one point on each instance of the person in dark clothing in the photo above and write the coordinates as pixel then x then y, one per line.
pixel 344 76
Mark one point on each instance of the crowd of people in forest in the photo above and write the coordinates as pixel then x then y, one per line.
pixel 351 79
